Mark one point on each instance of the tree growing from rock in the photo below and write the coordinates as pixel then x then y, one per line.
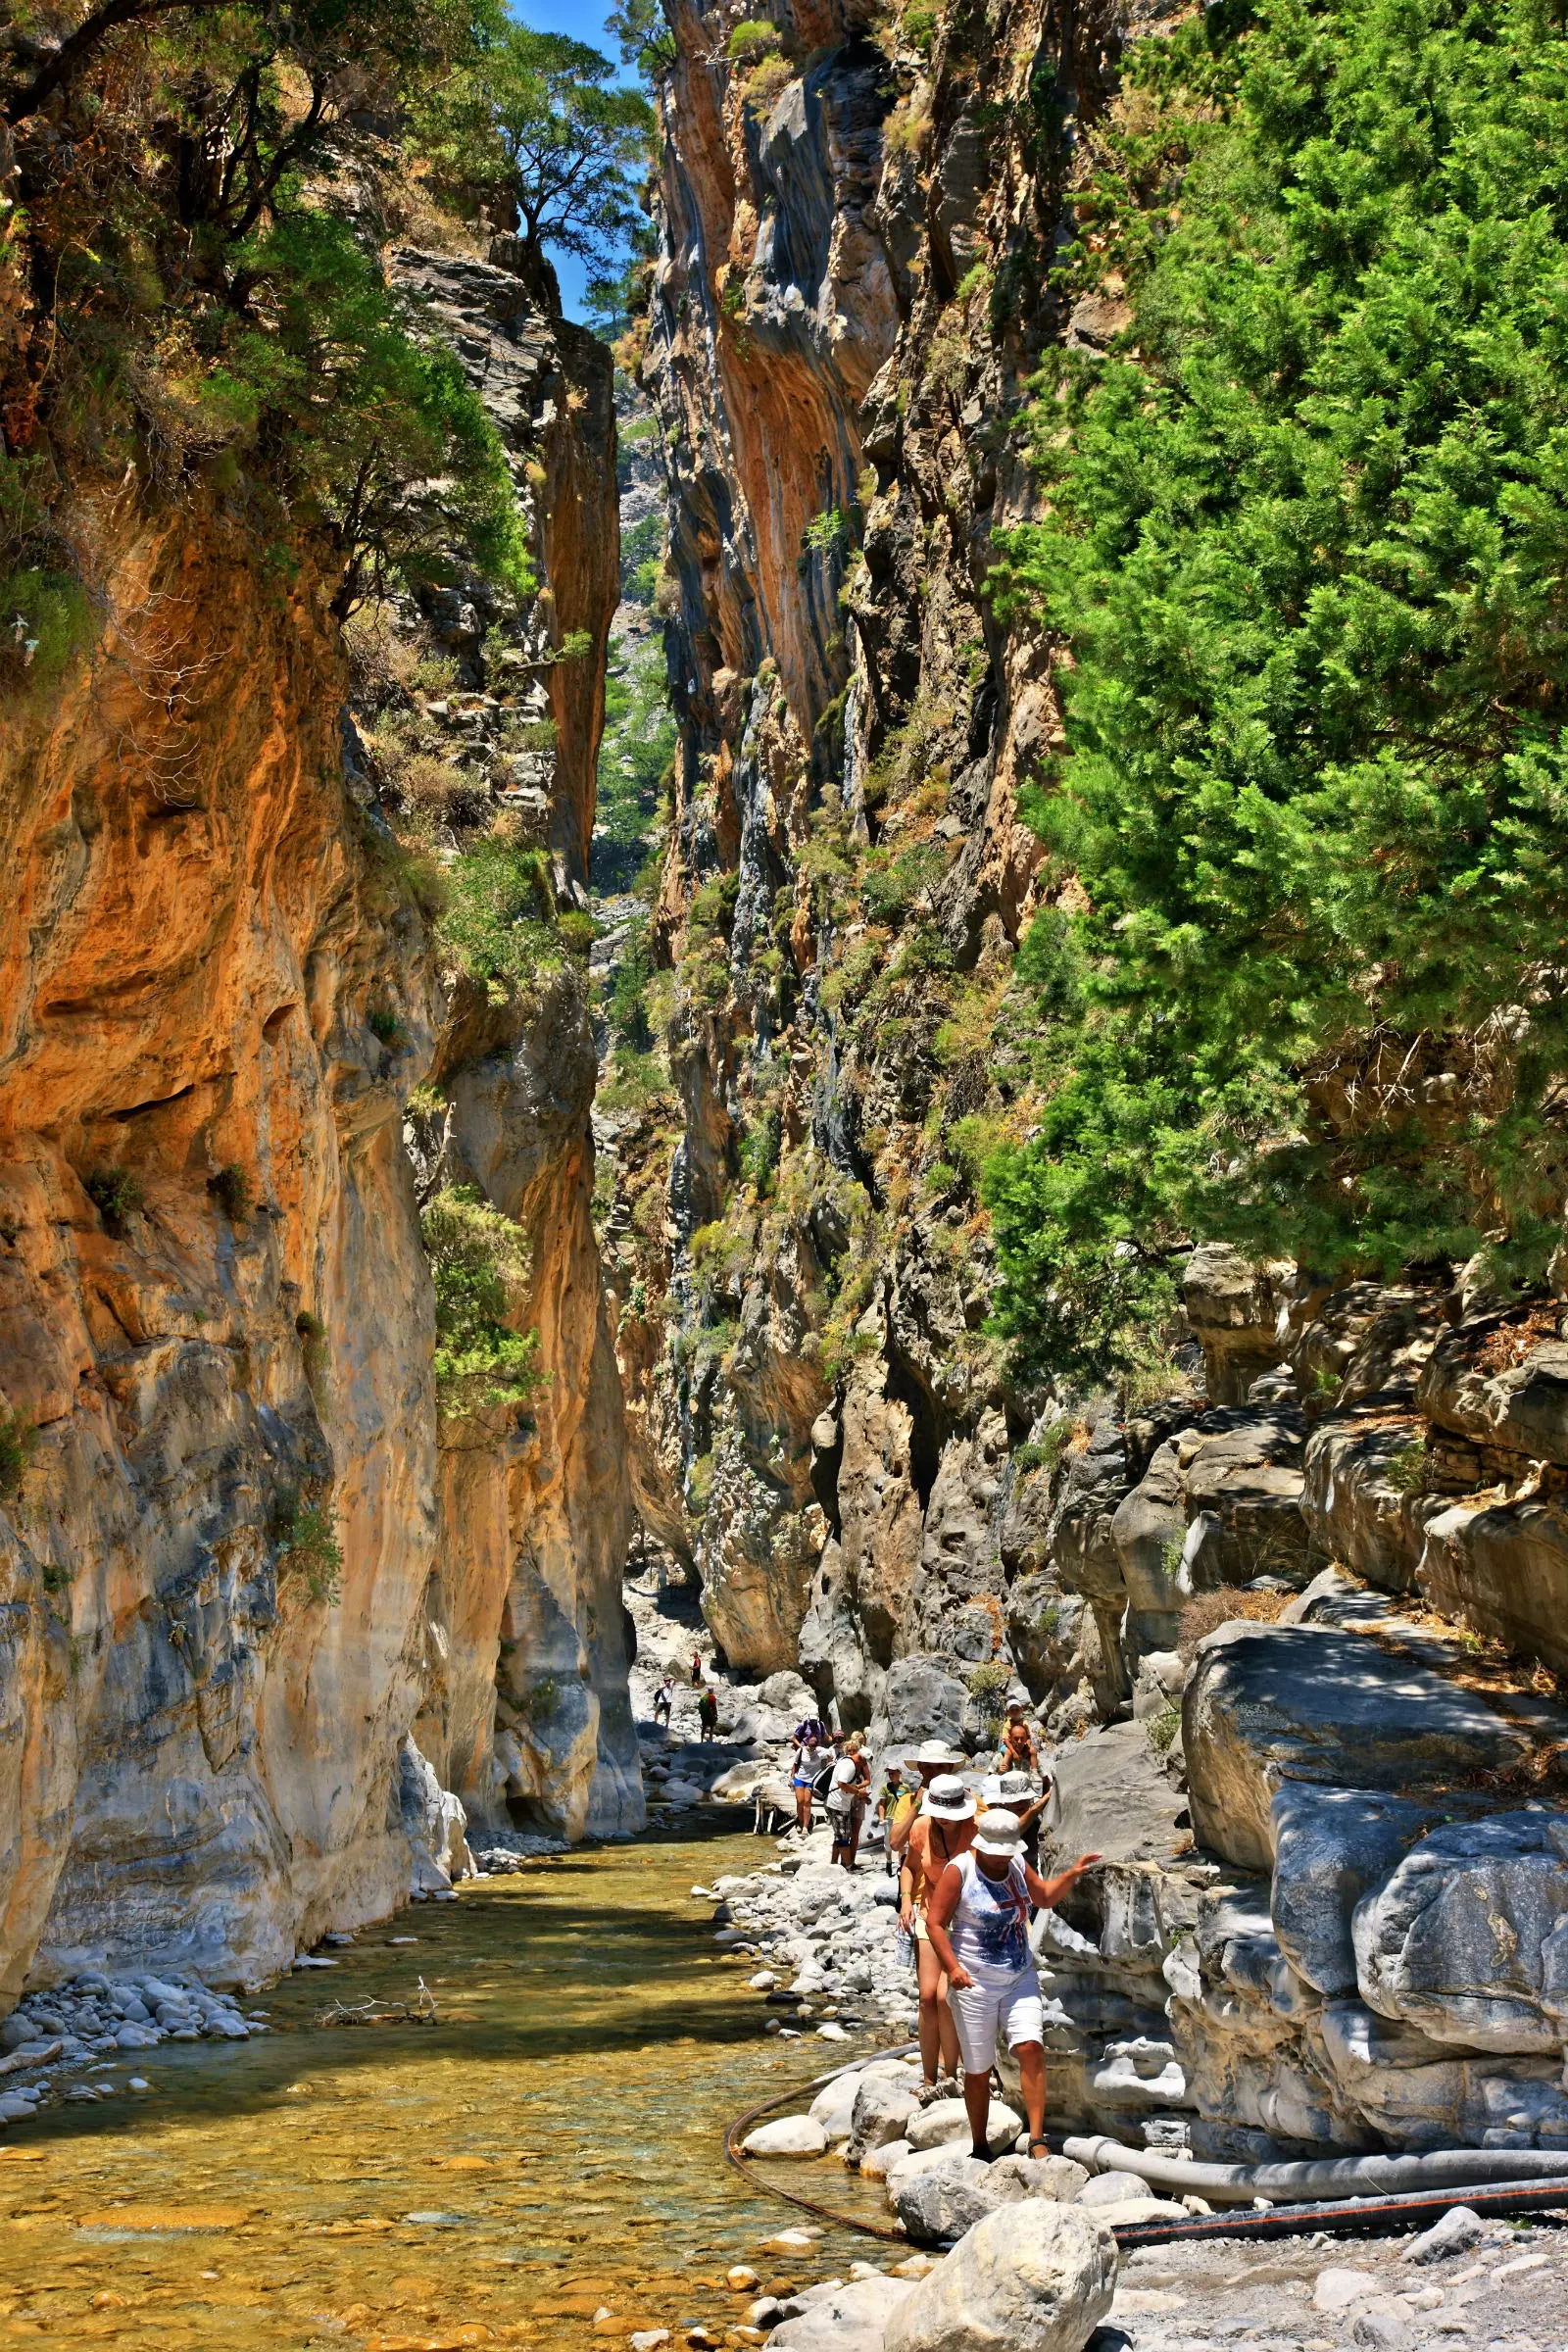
pixel 536 123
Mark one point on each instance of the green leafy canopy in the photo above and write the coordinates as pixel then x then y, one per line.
pixel 1308 546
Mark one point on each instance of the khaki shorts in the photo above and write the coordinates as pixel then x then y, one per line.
pixel 923 1934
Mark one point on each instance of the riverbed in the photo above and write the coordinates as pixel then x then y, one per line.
pixel 548 2151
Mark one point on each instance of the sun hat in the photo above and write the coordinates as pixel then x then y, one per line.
pixel 935 1751
pixel 1018 1700
pixel 1014 1783
pixel 991 1788
pixel 998 1834
pixel 948 1799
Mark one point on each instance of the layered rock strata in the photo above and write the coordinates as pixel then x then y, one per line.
pixel 235 1568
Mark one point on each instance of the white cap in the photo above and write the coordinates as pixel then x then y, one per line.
pixel 998 1834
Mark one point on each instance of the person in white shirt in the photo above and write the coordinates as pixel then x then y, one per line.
pixel 847 1794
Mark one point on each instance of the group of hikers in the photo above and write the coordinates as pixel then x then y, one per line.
pixel 968 1887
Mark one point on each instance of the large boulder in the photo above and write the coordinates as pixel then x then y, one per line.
pixel 938 2201
pixel 852 2319
pixel 1271 1703
pixel 1519 1409
pixel 883 2105
pixel 834 2107
pixel 788 2135
pixel 1356 1502
pixel 1330 1846
pixel 1504 1570
pixel 1034 2276
pixel 944 2122
pixel 1149 1523
pixel 924 1699
pixel 1114 1799
pixel 1467 1939
pixel 1245 1481
pixel 1236 1311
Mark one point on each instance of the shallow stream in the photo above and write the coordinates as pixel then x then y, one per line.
pixel 547 2151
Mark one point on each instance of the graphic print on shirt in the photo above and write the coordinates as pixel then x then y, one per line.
pixel 996 1911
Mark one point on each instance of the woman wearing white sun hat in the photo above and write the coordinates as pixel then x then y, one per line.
pixel 978 1925
pixel 942 1831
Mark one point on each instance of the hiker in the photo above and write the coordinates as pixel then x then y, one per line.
pixel 847 1792
pixel 664 1701
pixel 896 1807
pixel 804 1769
pixel 978 1926
pixel 942 1831
pixel 697 1668
pixel 1020 1750
pixel 707 1710
pixel 1014 1793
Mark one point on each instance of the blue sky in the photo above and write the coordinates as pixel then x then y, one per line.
pixel 584 21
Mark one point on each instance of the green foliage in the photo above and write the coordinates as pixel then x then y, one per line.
pixel 479 1266
pixel 890 884
pixel 383 1023
pixel 18 1437
pixel 759 1150
pixel 642 549
pixel 1043 1454
pixel 230 1187
pixel 308 1548
pixel 499 923
pixel 115 1192
pixel 626 1002
pixel 1307 550
pixel 645 38
pixel 988 1681
pixel 634 763
pixel 537 118
pixel 1161 1730
pixel 751 39
pixel 1406 1471
pixel 827 532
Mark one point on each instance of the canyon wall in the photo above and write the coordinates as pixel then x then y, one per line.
pixel 858 214
pixel 237 1568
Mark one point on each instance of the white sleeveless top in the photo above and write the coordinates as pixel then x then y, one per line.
pixel 990 1930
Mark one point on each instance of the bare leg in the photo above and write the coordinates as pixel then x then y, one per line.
pixel 939 2035
pixel 1031 2059
pixel 977 2107
pixel 802 1811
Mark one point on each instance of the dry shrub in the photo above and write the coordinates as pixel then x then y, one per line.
pixel 1206 1612
pixel 444 793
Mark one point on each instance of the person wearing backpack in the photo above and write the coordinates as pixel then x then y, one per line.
pixel 846 1792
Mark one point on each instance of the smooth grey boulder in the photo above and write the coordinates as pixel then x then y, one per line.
pixel 788 2135
pixel 1523 1408
pixel 882 2107
pixel 1504 1572
pixel 1354 1509
pixel 1113 2189
pixel 1468 1938
pixel 1267 1704
pixel 945 2122
pixel 834 2107
pixel 1414 2093
pixel 1247 1478
pixel 1034 2277
pixel 1234 1307
pixel 1330 1846
pixel 939 2204
pixel 1460 2227
pixel 1054 2177
pixel 852 2319
pixel 1146 1524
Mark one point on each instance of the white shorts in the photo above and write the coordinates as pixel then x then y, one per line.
pixel 979 2011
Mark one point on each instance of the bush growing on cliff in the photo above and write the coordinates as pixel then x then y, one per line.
pixel 479 1265
pixel 499 921
pixel 18 1437
pixel 308 1548
pixel 1306 546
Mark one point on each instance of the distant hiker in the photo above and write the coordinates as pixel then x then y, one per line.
pixel 807 1763
pixel 897 1808
pixel 707 1710
pixel 1020 1750
pixel 942 1831
pixel 697 1668
pixel 665 1701
pixel 846 1792
pixel 978 1929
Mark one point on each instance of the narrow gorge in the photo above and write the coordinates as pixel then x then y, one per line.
pixel 866 975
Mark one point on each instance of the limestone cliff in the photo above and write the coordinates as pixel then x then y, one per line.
pixel 237 1569
pixel 858 210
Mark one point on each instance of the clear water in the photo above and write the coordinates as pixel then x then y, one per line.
pixel 558 2132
